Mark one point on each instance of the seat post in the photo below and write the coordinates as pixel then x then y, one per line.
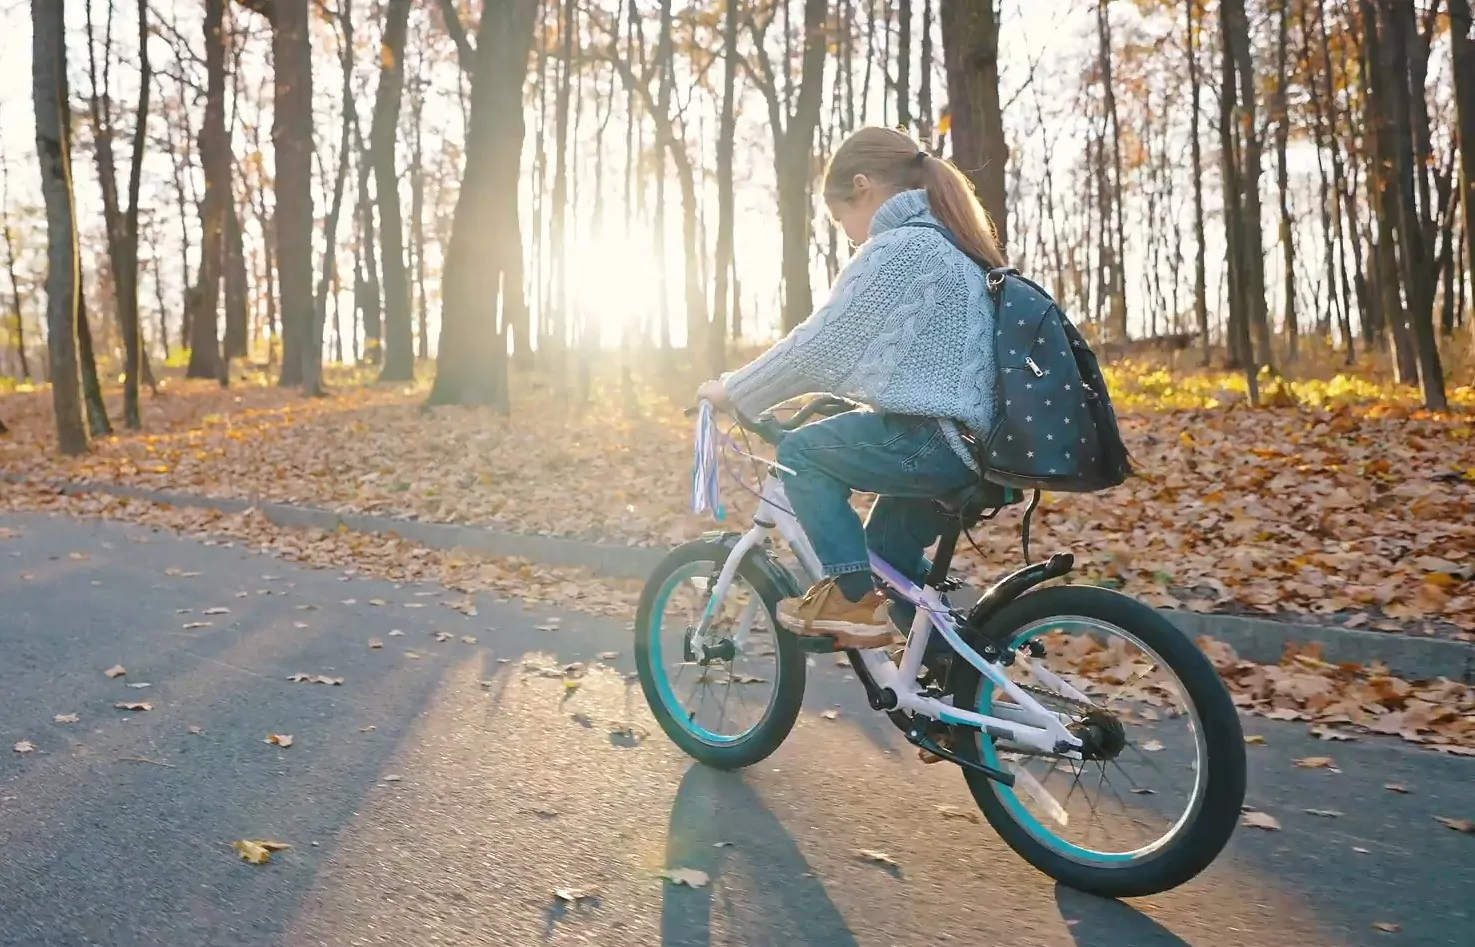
pixel 946 545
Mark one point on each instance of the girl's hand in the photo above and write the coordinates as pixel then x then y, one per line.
pixel 714 392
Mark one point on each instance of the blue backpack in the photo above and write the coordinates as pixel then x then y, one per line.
pixel 1054 427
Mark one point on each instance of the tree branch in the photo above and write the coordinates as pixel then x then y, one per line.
pixel 465 52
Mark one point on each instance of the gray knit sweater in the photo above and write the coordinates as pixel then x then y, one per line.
pixel 908 329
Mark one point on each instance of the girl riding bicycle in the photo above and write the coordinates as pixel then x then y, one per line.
pixel 907 331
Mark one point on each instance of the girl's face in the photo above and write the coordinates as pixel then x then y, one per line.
pixel 854 213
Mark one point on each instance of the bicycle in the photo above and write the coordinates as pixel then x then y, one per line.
pixel 957 699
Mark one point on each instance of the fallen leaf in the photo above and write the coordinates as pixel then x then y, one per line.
pixel 217 610
pixel 1314 762
pixel 954 812
pixel 396 633
pixel 1152 746
pixel 258 852
pixel 1143 791
pixel 830 714
pixel 1261 820
pixel 608 655
pixel 1326 813
pixel 375 643
pixel 24 746
pixel 1459 825
pixel 879 858
pixel 139 685
pixel 748 679
pixel 1360 850
pixel 413 655
pixel 324 679
pixel 349 601
pixel 197 624
pixel 442 636
pixel 468 639
pixel 368 729
pixel 299 624
pixel 1396 787
pixel 1255 739
pixel 574 895
pixel 393 778
pixel 196 730
pixel 376 601
pixel 115 671
pixel 1387 927
pixel 690 877
pixel 299 677
pixel 134 705
pixel 1332 736
pixel 66 718
pixel 282 740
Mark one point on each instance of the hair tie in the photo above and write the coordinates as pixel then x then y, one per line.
pixel 919 158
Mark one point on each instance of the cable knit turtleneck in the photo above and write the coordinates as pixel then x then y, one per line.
pixel 908 329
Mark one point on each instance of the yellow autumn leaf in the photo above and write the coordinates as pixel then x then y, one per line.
pixel 282 740
pixel 258 852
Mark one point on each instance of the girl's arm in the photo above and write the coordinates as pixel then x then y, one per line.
pixel 823 350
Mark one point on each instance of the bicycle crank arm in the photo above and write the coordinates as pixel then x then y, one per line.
pixel 917 738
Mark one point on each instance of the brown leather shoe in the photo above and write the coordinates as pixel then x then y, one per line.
pixel 825 612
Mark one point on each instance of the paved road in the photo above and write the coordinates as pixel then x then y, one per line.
pixel 509 788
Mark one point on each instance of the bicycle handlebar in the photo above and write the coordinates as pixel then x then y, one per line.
pixel 772 430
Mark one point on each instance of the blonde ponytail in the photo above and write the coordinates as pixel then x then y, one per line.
pixel 893 158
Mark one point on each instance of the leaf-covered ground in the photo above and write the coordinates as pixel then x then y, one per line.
pixel 1342 503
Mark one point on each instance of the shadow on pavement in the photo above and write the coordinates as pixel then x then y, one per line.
pixel 768 893
pixel 1099 922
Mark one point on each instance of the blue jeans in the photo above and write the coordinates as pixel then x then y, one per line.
pixel 906 460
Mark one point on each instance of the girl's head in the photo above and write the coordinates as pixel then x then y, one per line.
pixel 875 163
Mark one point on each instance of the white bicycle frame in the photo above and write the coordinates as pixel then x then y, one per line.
pixel 1022 722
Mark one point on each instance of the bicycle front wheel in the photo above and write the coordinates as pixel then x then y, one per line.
pixel 1159 793
pixel 732 704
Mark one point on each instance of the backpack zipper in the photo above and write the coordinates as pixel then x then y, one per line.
pixel 1029 363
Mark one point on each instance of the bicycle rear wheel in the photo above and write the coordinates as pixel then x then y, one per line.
pixel 734 704
pixel 1134 818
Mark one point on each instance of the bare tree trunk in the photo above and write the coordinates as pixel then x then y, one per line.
pixel 20 323
pixel 970 49
pixel 471 360
pixel 904 63
pixel 399 340
pixel 1241 189
pixel 417 218
pixel 97 412
pixel 1118 317
pixel 328 278
pixel 205 360
pixel 925 125
pixel 121 225
pixel 1200 290
pixel 1464 86
pixel 717 338
pixel 1282 178
pixel 663 115
pixel 1407 122
pixel 793 129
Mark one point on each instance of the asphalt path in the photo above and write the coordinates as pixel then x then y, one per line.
pixel 444 797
